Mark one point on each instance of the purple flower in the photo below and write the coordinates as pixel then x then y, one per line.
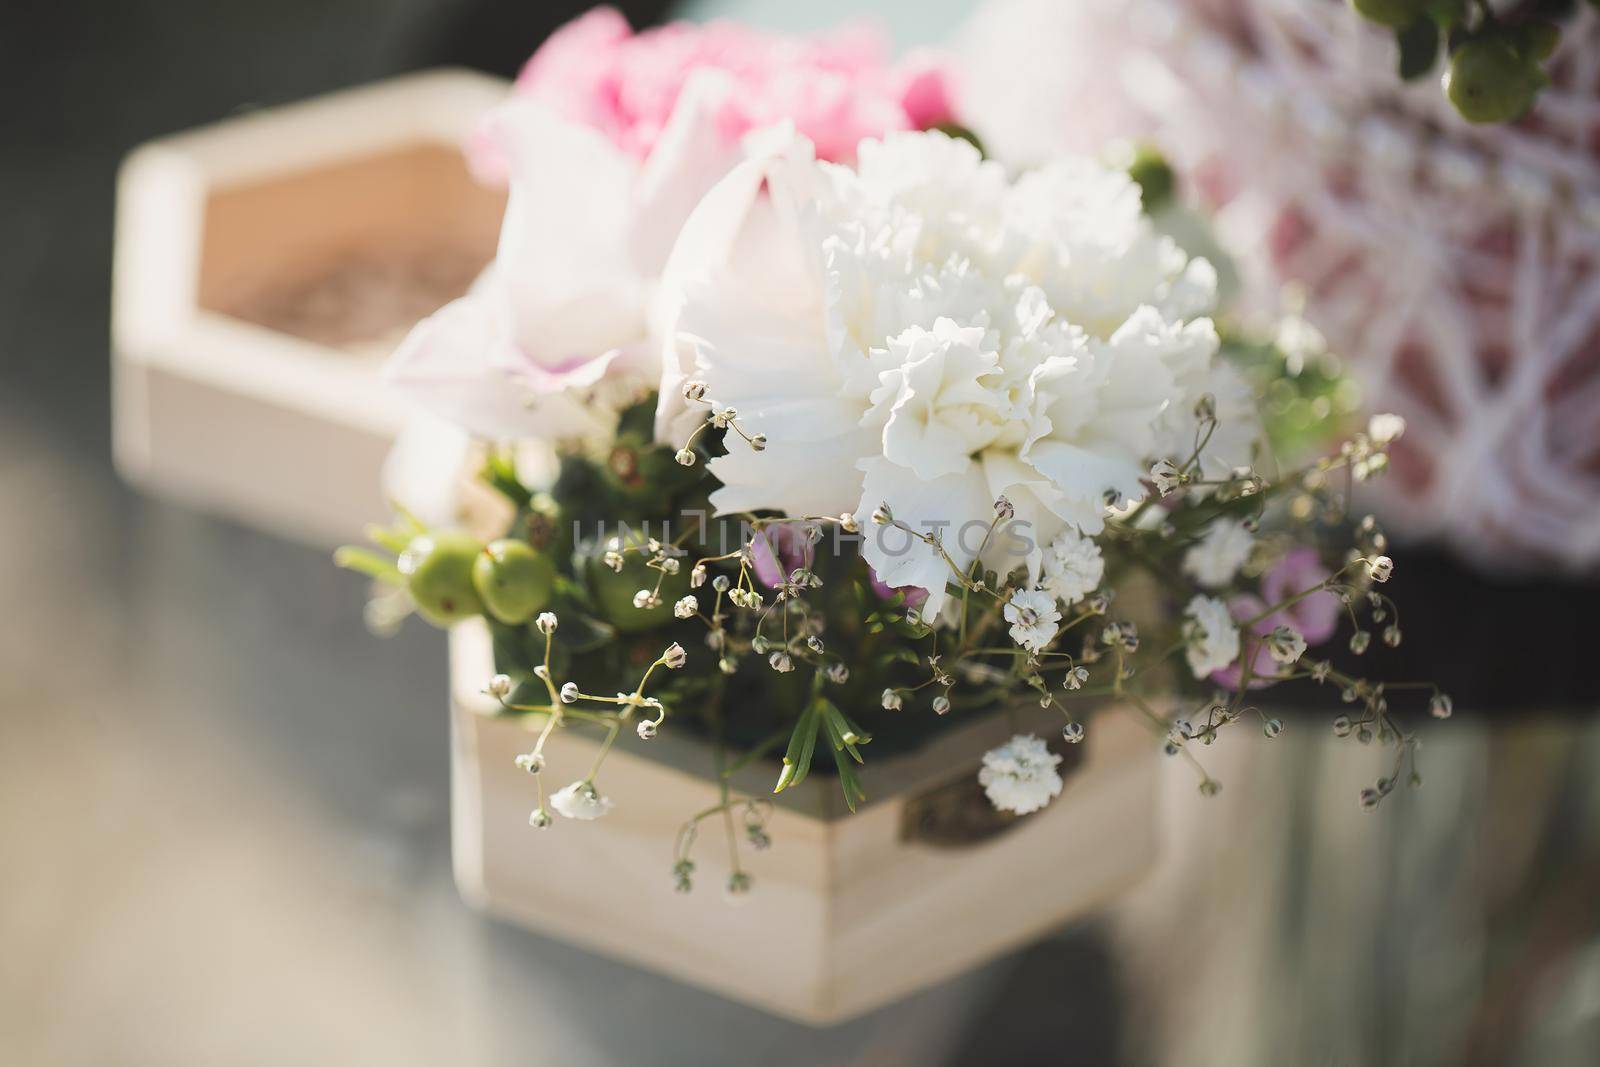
pixel 914 594
pixel 1316 617
pixel 777 551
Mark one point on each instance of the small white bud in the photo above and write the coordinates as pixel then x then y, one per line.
pixel 941 705
pixel 759 442
pixel 1004 508
pixel 685 457
pixel 1072 733
pixel 674 657
pixel 694 390
pixel 1384 428
pixel 1441 706
pixel 780 662
pixel 499 686
pixel 532 762
pixel 546 622
pixel 645 598
pixel 892 700
pixel 881 515
pixel 646 729
pixel 686 607
pixel 1381 568
pixel 848 523
pixel 569 693
pixel 540 819
pixel 697 576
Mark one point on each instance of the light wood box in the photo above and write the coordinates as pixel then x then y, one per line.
pixel 847 912
pixel 264 268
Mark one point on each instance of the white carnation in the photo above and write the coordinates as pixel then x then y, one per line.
pixel 1072 567
pixel 926 335
pixel 580 800
pixel 1020 775
pixel 1217 556
pixel 1033 616
pixel 1212 639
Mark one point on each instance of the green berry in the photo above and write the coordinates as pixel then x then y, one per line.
pixel 1538 40
pixel 1153 174
pixel 1488 81
pixel 513 580
pixel 438 572
pixel 1396 13
pixel 614 591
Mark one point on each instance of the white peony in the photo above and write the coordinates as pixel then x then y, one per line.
pixel 1034 618
pixel 580 800
pixel 1020 775
pixel 1217 556
pixel 1072 567
pixel 1212 639
pixel 923 333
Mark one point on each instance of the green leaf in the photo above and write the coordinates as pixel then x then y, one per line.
pixel 797 758
pixel 1419 47
pixel 849 783
pixel 368 562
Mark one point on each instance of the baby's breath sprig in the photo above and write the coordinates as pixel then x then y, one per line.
pixel 582 798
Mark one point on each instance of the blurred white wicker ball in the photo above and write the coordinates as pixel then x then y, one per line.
pixel 1457 267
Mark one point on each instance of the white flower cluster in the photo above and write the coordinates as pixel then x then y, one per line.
pixel 1020 775
pixel 924 333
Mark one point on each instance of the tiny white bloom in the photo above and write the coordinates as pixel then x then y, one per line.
pixel 685 457
pixel 781 662
pixel 1072 567
pixel 1164 476
pixel 1033 616
pixel 1213 639
pixel 686 607
pixel 580 800
pixel 674 657
pixel 499 686
pixel 1384 428
pixel 1381 568
pixel 646 729
pixel 645 598
pixel 1217 557
pixel 892 701
pixel 540 819
pixel 546 622
pixel 532 762
pixel 697 577
pixel 569 693
pixel 1020 775
pixel 1286 644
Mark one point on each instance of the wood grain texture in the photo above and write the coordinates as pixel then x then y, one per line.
pixel 846 914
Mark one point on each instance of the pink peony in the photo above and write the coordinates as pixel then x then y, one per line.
pixel 836 89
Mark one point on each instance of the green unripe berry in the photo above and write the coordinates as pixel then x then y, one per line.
pixel 1488 81
pixel 513 581
pixel 614 591
pixel 438 572
pixel 1396 13
pixel 1538 40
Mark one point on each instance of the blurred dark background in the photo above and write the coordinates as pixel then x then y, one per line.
pixel 224 805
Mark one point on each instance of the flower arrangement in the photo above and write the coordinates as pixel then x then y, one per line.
pixel 875 436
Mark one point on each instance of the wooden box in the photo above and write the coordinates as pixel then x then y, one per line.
pixel 264 268
pixel 846 912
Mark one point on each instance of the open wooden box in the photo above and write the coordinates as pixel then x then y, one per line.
pixel 264 268
pixel 847 912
